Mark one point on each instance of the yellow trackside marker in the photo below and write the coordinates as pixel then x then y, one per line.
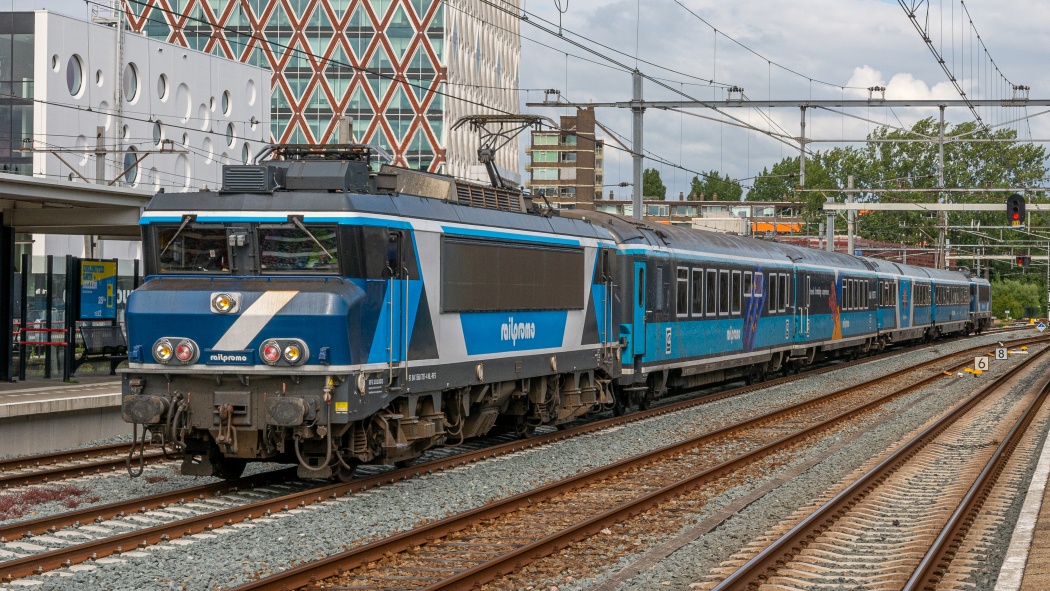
pixel 978 372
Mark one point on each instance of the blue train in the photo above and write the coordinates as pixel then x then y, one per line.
pixel 316 312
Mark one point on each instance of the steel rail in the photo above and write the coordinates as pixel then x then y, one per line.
pixel 58 457
pixel 96 466
pixel 785 547
pixel 311 572
pixel 935 563
pixel 13 531
pixel 64 556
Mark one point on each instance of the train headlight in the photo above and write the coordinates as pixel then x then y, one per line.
pixel 224 302
pixel 163 350
pixel 186 351
pixel 271 352
pixel 293 353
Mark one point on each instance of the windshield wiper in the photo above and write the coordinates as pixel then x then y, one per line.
pixel 299 224
pixel 185 222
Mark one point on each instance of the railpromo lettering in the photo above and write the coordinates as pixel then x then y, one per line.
pixel 227 358
pixel 511 331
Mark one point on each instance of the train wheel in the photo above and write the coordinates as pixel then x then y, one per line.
pixel 524 430
pixel 345 473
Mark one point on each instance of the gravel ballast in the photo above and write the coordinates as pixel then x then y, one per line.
pixel 232 555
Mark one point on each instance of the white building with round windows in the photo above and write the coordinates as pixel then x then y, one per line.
pixel 167 117
pixel 164 117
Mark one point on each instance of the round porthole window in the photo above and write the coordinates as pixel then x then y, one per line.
pixel 225 102
pixel 74 75
pixel 131 82
pixel 130 157
pixel 162 87
pixel 229 134
pixel 158 132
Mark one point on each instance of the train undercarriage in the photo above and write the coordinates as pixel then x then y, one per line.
pixel 220 423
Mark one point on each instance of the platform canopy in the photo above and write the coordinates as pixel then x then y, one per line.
pixel 48 206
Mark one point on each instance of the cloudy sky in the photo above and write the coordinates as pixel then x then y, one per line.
pixel 809 49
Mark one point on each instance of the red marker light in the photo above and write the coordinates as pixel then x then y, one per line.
pixel 271 352
pixel 184 352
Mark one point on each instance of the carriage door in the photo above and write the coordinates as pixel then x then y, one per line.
pixel 802 300
pixel 638 327
pixel 396 306
pixel 606 325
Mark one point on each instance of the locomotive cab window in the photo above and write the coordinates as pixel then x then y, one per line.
pixel 303 249
pixel 192 248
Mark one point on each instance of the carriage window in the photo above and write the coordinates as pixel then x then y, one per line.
pixel 698 292
pixel 682 292
pixel 659 288
pixel 289 249
pixel 738 291
pixel 757 284
pixel 785 288
pixel 772 291
pixel 723 293
pixel 640 287
pixel 195 249
pixel 748 286
pixel 711 285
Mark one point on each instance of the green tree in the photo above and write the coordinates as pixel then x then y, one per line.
pixel 997 160
pixel 652 186
pixel 712 187
pixel 1022 299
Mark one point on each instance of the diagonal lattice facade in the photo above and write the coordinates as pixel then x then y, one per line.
pixel 402 70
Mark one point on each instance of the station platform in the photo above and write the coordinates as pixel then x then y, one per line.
pixel 40 415
pixel 1027 563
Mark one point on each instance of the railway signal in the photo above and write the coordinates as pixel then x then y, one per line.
pixel 1023 260
pixel 1015 210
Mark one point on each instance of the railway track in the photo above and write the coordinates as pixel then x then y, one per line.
pixel 56 466
pixel 220 515
pixel 43 468
pixel 484 544
pixel 905 519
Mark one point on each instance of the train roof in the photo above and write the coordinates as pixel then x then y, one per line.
pixel 628 231
pixel 401 205
pixel 348 186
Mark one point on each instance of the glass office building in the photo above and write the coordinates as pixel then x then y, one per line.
pixel 403 71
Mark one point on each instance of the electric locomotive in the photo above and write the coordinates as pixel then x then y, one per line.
pixel 314 311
